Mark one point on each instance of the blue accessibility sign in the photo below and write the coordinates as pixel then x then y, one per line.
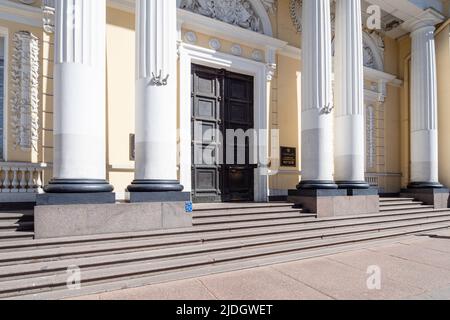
pixel 188 207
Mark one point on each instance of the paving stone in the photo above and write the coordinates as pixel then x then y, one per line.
pixel 178 290
pixel 259 284
pixel 342 281
pixel 418 254
pixel 400 270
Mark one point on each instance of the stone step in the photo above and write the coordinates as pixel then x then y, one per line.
pixel 245 212
pixel 21 245
pixel 382 199
pixel 313 231
pixel 28 215
pixel 183 264
pixel 216 268
pixel 86 263
pixel 404 207
pixel 16 226
pixel 199 207
pixel 8 236
pixel 250 218
pixel 400 203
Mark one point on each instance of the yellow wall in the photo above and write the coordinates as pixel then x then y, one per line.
pixel 285 110
pixel 443 73
pixel 120 93
pixel 404 61
pixel 390 165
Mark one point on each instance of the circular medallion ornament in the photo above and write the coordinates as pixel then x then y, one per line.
pixel 236 50
pixel 215 44
pixel 190 37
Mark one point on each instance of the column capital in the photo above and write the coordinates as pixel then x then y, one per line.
pixel 428 18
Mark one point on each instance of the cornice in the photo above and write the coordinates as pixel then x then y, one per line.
pixel 20 13
pixel 428 18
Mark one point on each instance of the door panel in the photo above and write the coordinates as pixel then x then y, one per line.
pixel 238 177
pixel 206 109
pixel 220 100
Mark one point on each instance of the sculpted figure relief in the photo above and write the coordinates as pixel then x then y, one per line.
pixel 235 12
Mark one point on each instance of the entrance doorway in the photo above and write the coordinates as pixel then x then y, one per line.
pixel 221 101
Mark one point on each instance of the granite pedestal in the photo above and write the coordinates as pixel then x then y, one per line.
pixel 93 219
pixel 437 197
pixel 338 202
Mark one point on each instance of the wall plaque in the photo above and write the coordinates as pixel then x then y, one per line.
pixel 288 157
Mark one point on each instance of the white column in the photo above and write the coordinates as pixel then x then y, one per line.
pixel 79 97
pixel 424 134
pixel 349 158
pixel 156 97
pixel 317 105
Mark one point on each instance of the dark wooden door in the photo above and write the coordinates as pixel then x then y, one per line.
pixel 221 100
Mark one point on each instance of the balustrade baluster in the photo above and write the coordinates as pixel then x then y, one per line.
pixel 6 181
pixel 15 181
pixel 23 180
pixel 30 182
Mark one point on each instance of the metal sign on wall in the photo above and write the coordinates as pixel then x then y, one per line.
pixel 288 157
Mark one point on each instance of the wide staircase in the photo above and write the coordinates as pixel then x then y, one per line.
pixel 16 225
pixel 225 237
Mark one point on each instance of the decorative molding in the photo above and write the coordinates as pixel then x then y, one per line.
pixel 225 31
pixel 236 50
pixel 48 19
pixel 215 44
pixel 371 148
pixel 257 55
pixel 190 37
pixel 238 12
pixel 25 91
pixel 295 10
pixel 429 17
pixel 271 69
pixel 270 5
pixel 20 13
pixel 159 80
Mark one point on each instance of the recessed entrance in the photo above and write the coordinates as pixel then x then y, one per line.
pixel 221 100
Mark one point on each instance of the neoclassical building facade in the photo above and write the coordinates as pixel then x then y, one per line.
pixel 102 95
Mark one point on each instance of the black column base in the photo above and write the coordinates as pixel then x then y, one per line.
pixel 352 185
pixel 157 191
pixel 61 199
pixel 78 186
pixel 317 185
pixel 155 186
pixel 425 185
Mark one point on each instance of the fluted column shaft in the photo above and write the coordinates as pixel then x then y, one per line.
pixel 349 149
pixel 156 97
pixel 317 118
pixel 79 97
pixel 424 131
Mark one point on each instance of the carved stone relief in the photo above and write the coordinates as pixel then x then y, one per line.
pixel 25 91
pixel 236 12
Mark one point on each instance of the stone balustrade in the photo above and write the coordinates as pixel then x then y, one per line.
pixel 21 177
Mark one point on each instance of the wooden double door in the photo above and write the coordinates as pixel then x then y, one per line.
pixel 221 101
